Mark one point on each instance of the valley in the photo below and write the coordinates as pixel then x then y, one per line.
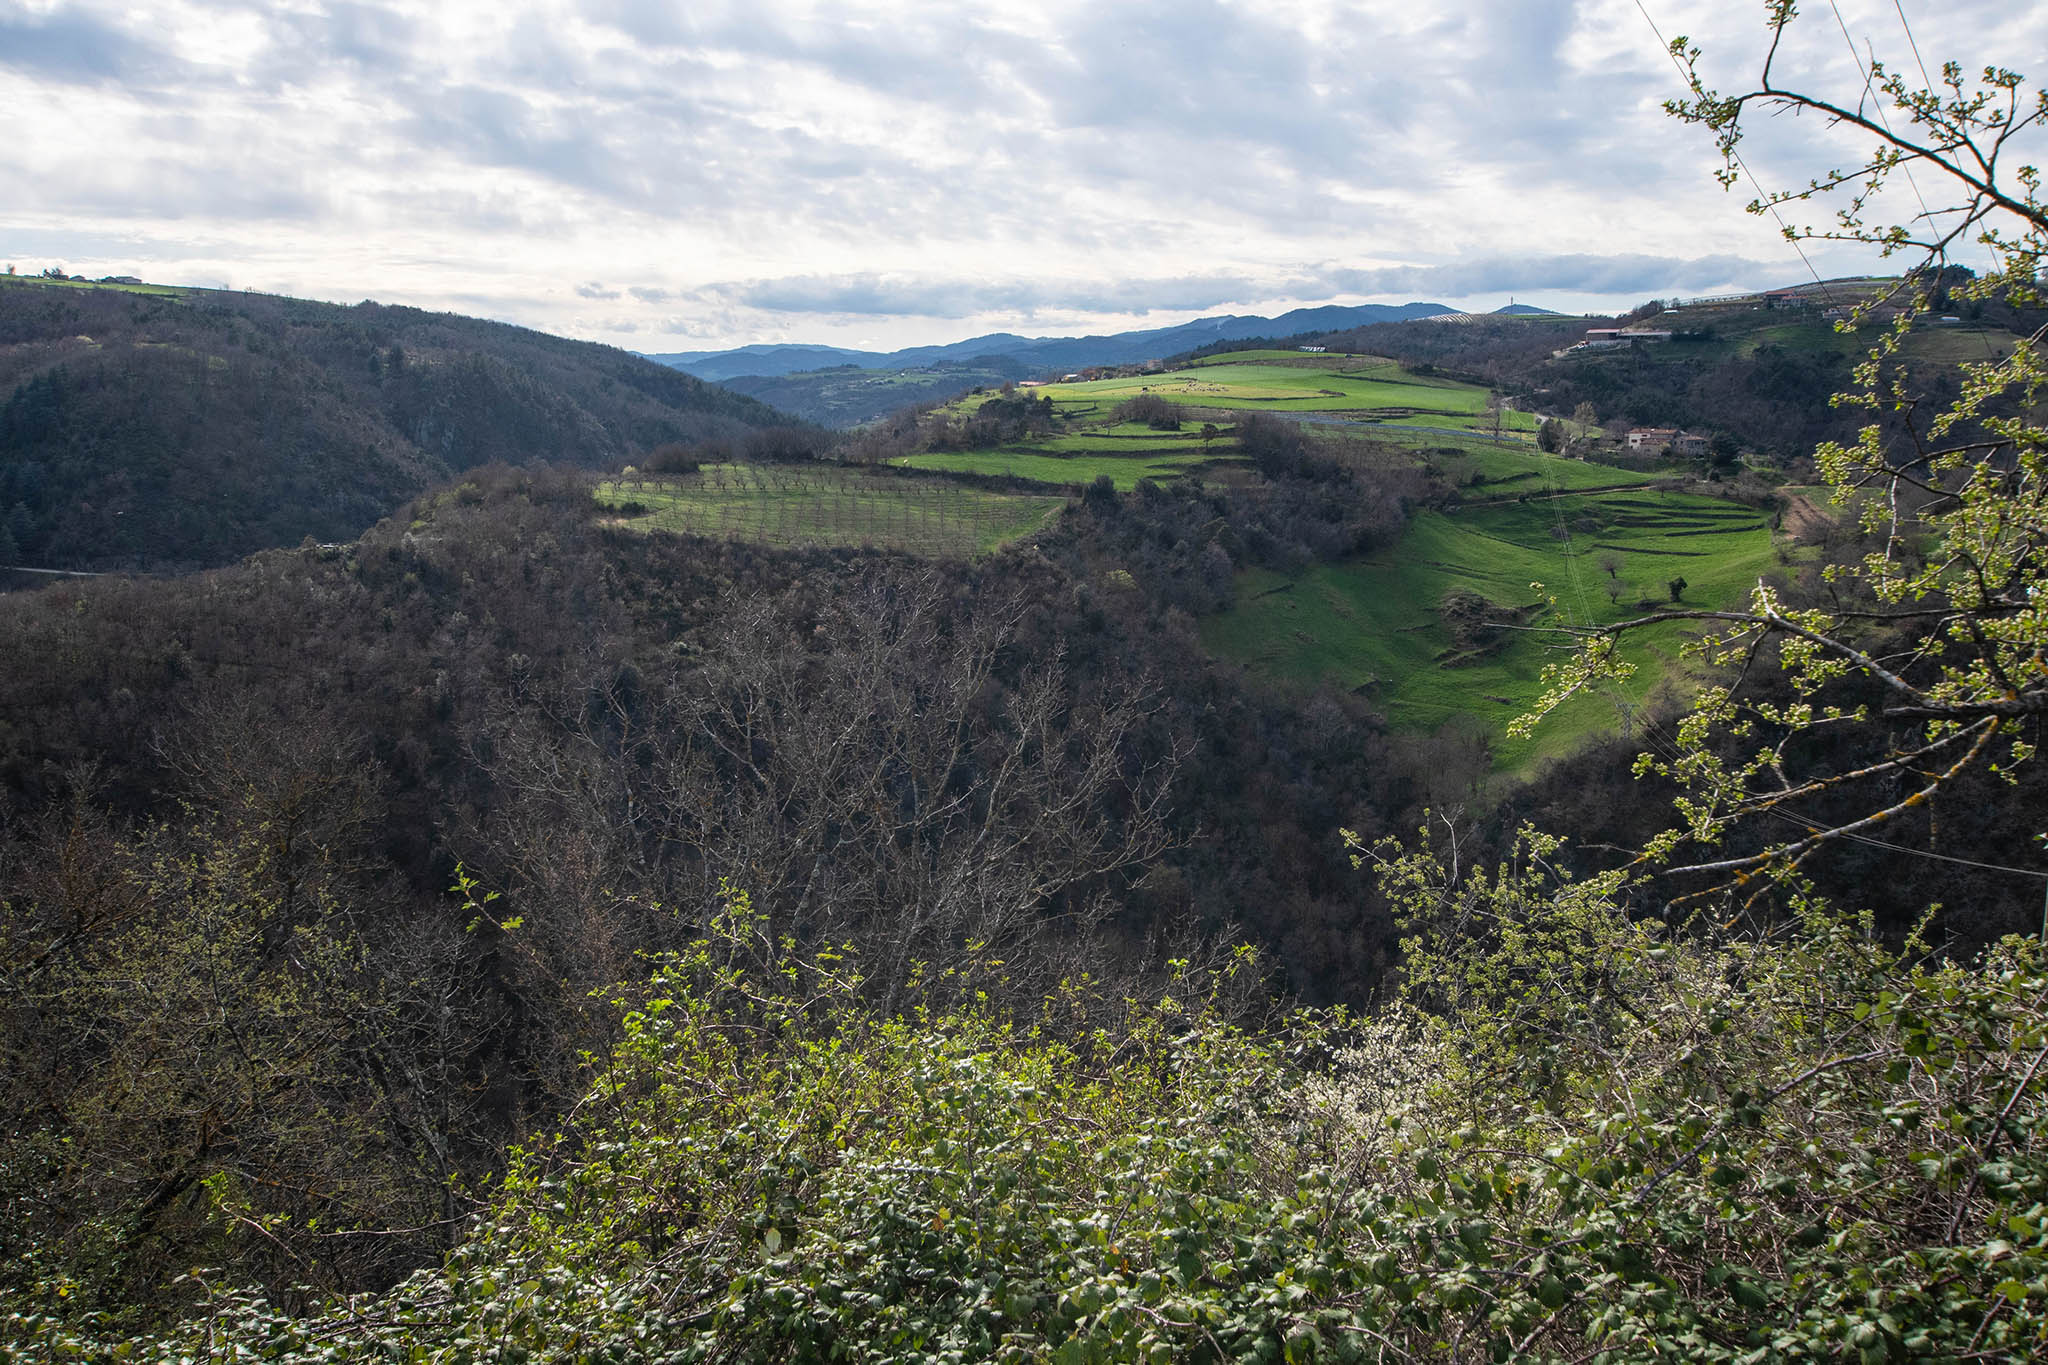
pixel 1042 773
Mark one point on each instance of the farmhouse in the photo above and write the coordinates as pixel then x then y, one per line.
pixel 1683 443
pixel 1607 338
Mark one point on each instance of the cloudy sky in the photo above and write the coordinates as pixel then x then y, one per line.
pixel 686 174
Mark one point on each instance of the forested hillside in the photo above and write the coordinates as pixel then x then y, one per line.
pixel 148 428
pixel 263 782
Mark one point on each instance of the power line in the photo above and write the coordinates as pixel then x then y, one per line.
pixel 1761 195
pixel 1890 847
pixel 1669 749
pixel 1876 103
pixel 1910 42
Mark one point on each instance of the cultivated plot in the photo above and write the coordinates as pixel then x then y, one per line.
pixel 793 506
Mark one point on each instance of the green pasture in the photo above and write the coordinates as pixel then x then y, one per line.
pixel 1487 470
pixel 1132 437
pixel 1126 452
pixel 1938 345
pixel 792 506
pixel 1378 390
pixel 1124 468
pixel 1377 625
pixel 1809 332
pixel 1366 395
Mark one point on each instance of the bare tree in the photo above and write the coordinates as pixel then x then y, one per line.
pixel 874 767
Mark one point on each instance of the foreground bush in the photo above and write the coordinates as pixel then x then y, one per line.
pixel 1598 1141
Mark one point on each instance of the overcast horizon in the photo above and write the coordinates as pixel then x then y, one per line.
pixel 849 175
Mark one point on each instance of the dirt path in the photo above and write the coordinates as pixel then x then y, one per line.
pixel 1804 519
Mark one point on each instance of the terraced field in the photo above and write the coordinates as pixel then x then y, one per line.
pixel 825 505
pixel 1437 627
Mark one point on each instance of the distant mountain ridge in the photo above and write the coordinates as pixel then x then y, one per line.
pixel 1120 348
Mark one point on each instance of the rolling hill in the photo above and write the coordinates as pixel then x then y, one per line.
pixel 842 388
pixel 1039 353
pixel 156 428
pixel 1428 624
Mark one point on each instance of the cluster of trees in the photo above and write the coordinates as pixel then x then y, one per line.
pixel 1322 497
pixel 1155 412
pixel 1773 400
pixel 1000 420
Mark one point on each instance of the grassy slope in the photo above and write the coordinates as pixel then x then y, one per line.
pixel 1123 468
pixel 1371 388
pixel 1126 451
pixel 1374 624
pixel 1506 469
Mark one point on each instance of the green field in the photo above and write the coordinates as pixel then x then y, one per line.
pixel 827 505
pixel 1043 466
pixel 1371 389
pixel 1379 625
pixel 1126 452
pixel 1486 470
pixel 1363 395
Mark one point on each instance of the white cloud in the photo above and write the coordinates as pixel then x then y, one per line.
pixel 874 175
